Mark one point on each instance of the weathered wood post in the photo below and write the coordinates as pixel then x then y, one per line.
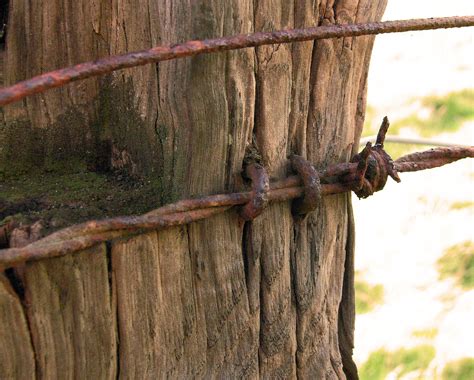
pixel 218 298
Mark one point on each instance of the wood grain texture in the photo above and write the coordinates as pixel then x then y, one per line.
pixel 271 298
pixel 71 315
pixel 161 324
pixel 16 352
pixel 182 310
pixel 231 341
pixel 205 120
pixel 328 87
pixel 206 103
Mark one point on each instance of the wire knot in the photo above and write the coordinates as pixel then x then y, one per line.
pixel 260 187
pixel 374 166
pixel 312 186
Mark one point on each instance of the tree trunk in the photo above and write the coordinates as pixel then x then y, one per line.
pixel 271 298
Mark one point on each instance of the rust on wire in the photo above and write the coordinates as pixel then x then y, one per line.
pixel 260 187
pixel 312 186
pixel 106 65
pixel 365 174
pixel 88 234
pixel 375 165
pixel 432 158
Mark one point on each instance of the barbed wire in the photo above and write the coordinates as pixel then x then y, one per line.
pixel 365 174
pixel 106 65
pixel 411 141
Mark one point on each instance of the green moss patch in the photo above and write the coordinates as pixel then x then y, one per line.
pixel 459 370
pixel 404 360
pixel 60 200
pixel 457 262
pixel 61 146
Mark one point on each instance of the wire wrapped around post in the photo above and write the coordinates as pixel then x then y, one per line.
pixel 260 187
pixel 312 187
pixel 365 174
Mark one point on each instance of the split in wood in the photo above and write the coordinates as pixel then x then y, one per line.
pixel 365 174
pixel 106 65
pixel 5 234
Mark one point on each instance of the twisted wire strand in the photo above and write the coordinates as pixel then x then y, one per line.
pixel 335 179
pixel 106 65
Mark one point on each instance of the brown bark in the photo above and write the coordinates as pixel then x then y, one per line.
pixel 218 298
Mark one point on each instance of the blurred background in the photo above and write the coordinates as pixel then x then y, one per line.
pixel 415 240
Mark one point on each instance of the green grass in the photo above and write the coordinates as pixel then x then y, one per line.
pixel 459 370
pixel 426 333
pixel 405 360
pixel 367 296
pixel 369 122
pixel 458 262
pixel 446 114
pixel 461 205
pixel 397 150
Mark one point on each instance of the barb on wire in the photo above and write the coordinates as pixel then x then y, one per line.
pixel 102 66
pixel 411 141
pixel 365 174
pixel 432 158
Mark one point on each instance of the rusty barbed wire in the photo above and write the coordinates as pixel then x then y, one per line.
pixel 365 174
pixel 431 158
pixel 411 141
pixel 106 65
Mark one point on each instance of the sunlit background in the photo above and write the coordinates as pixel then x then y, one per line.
pixel 415 240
